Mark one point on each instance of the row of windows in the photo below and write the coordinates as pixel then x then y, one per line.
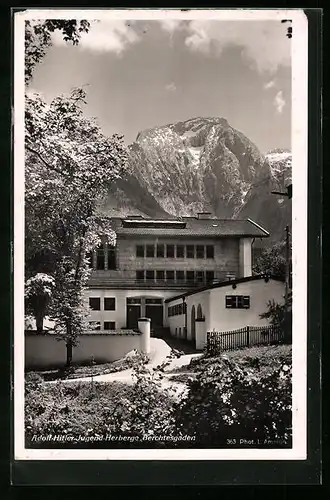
pixel 176 251
pixel 107 325
pixel 177 310
pixel 109 303
pixel 199 276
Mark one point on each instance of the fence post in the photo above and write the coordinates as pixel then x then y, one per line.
pixel 247 336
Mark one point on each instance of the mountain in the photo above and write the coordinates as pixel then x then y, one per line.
pixel 202 164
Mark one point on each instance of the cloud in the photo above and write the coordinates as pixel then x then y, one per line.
pixel 171 87
pixel 279 102
pixel 269 85
pixel 264 43
pixel 105 36
pixel 170 25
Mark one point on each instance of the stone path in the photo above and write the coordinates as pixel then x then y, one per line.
pixel 158 355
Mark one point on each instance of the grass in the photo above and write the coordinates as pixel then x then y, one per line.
pixel 86 370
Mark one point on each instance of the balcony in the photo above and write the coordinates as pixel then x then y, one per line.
pixel 105 281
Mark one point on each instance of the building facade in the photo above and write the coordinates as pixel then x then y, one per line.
pixel 157 259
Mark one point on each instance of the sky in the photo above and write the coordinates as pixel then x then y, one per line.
pixel 142 74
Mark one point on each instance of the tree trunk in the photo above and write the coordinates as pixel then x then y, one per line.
pixel 68 353
pixel 39 323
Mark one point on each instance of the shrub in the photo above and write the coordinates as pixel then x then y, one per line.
pixel 33 378
pixel 227 402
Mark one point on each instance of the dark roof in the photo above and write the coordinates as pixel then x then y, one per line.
pixel 226 283
pixel 189 226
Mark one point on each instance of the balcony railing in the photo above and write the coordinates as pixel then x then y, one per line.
pixel 101 281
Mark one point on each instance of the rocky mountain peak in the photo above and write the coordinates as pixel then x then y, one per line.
pixel 201 165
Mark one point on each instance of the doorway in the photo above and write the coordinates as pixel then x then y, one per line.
pixel 133 313
pixel 155 313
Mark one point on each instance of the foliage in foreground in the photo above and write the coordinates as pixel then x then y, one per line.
pixel 225 402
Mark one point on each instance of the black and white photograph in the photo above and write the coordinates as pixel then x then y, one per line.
pixel 160 222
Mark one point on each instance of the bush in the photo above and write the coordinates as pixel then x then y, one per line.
pixel 89 409
pixel 33 378
pixel 227 402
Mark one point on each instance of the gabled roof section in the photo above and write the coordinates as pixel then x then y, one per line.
pixel 188 226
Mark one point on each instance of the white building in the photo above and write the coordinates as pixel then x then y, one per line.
pixel 158 263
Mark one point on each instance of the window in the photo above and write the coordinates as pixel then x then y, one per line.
pixel 190 252
pixel 180 275
pixel 237 302
pixel 95 303
pixel 180 251
pixel 154 301
pixel 200 251
pixel 200 276
pixel 170 275
pixel 210 252
pixel 176 332
pixel 109 325
pixel 133 300
pixel 209 276
pixel 150 251
pixel 150 275
pixel 170 251
pixel 139 250
pixel 160 251
pixel 140 275
pixel 109 304
pixel 100 258
pixel 180 331
pixel 190 276
pixel 160 275
pixel 111 258
pixel 95 325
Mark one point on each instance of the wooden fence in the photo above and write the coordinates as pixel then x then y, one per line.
pixel 249 336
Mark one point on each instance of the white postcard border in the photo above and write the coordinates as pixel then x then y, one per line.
pixel 299 241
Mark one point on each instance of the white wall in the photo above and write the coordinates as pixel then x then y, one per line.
pixel 202 298
pixel 260 292
pixel 47 351
pixel 119 315
pixel 245 257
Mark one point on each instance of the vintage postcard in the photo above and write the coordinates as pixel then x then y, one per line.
pixel 160 234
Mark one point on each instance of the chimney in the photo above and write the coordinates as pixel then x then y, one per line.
pixel 204 215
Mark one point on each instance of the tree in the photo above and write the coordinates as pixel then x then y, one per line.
pixel 68 166
pixel 271 261
pixel 280 315
pixel 38 294
pixel 38 38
